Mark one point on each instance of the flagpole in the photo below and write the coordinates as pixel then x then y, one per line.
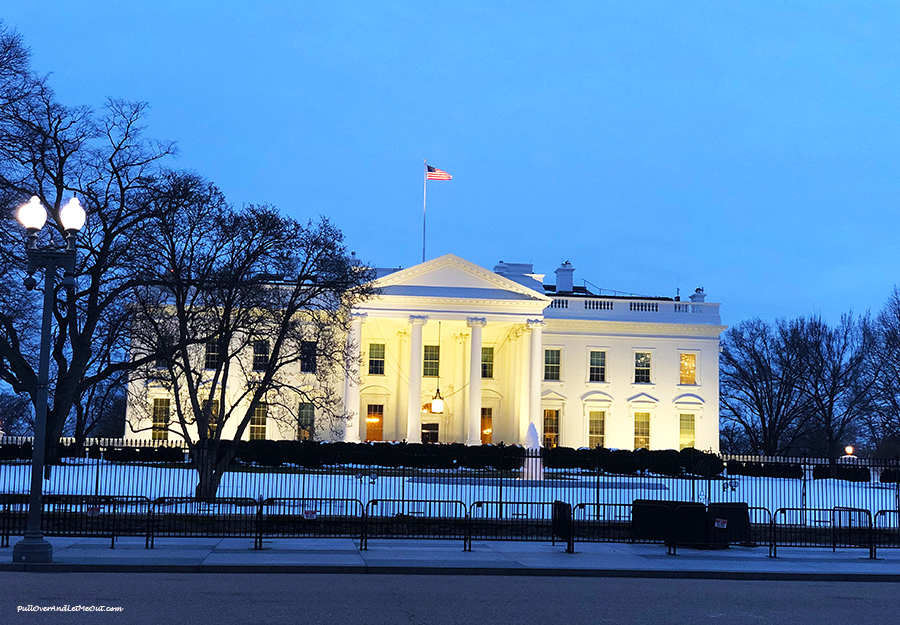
pixel 424 187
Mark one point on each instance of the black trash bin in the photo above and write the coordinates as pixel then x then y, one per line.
pixel 729 523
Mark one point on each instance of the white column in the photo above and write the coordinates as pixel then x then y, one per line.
pixel 537 376
pixel 473 414
pixel 523 380
pixel 353 378
pixel 414 407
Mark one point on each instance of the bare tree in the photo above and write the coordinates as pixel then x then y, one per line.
pixel 837 380
pixel 760 387
pixel 247 317
pixel 53 151
pixel 883 416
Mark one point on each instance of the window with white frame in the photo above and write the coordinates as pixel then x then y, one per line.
pixel 258 422
pixel 376 358
pixel 642 368
pixel 487 362
pixel 161 408
pixel 642 430
pixel 688 369
pixel 213 355
pixel 374 422
pixel 260 355
pixel 551 428
pixel 596 428
pixel 306 421
pixel 552 364
pixel 686 432
pixel 431 365
pixel 308 357
pixel 597 366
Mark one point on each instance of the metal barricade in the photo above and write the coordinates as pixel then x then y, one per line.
pixel 823 527
pixel 526 521
pixel 416 518
pixel 227 517
pixel 312 517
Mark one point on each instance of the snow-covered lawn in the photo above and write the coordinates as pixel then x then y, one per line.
pixel 106 478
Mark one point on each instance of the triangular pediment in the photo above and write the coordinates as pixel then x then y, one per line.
pixel 450 276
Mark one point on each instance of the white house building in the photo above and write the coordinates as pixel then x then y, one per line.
pixel 453 352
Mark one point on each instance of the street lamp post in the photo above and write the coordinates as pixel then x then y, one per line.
pixel 32 215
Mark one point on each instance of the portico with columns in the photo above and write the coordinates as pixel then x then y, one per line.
pixel 452 327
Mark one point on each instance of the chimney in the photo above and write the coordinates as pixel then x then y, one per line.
pixel 698 296
pixel 564 278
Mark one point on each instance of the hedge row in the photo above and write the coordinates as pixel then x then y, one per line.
pixel 838 472
pixel 890 476
pixel 758 469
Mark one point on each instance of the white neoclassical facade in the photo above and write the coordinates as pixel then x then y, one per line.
pixel 503 351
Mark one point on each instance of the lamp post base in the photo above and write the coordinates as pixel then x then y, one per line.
pixel 33 550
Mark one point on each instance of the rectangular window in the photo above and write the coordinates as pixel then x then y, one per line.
pixel 432 364
pixel 688 369
pixel 160 419
pixel 597 371
pixel 374 422
pixel 211 409
pixel 551 363
pixel 260 355
pixel 686 437
pixel 376 358
pixel 430 433
pixel 642 430
pixel 306 421
pixel 596 429
pixel 487 420
pixel 212 354
pixel 642 368
pixel 551 428
pixel 258 422
pixel 308 357
pixel 487 362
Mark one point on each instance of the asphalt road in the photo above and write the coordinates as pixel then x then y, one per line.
pixel 151 598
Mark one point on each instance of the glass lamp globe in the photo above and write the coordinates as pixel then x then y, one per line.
pixel 72 215
pixel 32 214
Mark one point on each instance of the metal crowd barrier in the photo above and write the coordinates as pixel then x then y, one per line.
pixel 823 527
pixel 416 518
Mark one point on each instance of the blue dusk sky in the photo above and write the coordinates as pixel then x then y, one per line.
pixel 751 148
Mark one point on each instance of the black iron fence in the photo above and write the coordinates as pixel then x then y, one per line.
pixel 497 493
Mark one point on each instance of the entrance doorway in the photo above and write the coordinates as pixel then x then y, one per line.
pixel 429 433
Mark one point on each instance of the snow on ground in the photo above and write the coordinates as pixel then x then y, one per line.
pixel 365 484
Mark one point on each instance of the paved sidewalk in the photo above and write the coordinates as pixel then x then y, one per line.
pixel 343 555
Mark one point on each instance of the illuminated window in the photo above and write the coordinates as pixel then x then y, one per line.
pixel 306 419
pixel 376 358
pixel 487 420
pixel 308 357
pixel 552 359
pixel 688 369
pixel 211 410
pixel 686 437
pixel 258 422
pixel 374 422
pixel 642 368
pixel 161 409
pixel 212 354
pixel 642 430
pixel 432 364
pixel 596 428
pixel 487 362
pixel 260 355
pixel 551 428
pixel 597 371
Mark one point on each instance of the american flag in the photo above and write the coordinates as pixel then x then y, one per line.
pixel 437 174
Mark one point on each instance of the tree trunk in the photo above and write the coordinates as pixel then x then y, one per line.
pixel 211 461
